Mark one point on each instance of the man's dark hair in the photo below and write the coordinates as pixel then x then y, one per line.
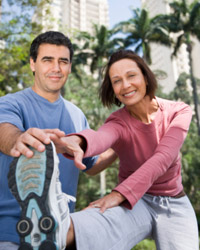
pixel 50 37
pixel 106 92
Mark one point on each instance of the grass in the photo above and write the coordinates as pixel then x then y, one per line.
pixel 145 245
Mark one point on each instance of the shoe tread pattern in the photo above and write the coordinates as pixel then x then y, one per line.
pixel 41 198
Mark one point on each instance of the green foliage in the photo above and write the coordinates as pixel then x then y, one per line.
pixel 16 32
pixel 190 151
pixel 85 95
pixel 145 245
pixel 13 65
pixel 2 93
pixel 181 90
pixel 191 167
pixel 89 187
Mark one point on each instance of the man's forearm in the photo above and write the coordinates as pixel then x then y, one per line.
pixel 8 136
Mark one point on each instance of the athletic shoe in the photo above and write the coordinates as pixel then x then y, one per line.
pixel 45 217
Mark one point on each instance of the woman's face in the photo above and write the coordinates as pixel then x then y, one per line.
pixel 127 81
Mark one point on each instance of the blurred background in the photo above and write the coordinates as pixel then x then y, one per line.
pixel 165 33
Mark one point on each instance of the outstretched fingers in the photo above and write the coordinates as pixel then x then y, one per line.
pixel 55 132
pixel 71 146
pixel 78 158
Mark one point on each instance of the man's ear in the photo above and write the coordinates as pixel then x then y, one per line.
pixel 70 70
pixel 32 64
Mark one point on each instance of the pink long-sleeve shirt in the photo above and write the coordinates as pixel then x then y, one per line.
pixel 149 153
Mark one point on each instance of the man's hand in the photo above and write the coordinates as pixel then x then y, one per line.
pixel 35 138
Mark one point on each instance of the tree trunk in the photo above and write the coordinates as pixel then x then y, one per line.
pixel 103 182
pixel 103 173
pixel 194 89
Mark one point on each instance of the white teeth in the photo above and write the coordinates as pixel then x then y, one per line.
pixel 129 93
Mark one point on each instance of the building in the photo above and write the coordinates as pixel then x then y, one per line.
pixel 161 55
pixel 82 14
pixel 72 15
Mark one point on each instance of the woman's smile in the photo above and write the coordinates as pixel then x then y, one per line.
pixel 130 93
pixel 128 82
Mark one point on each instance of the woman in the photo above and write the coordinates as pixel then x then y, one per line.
pixel 147 135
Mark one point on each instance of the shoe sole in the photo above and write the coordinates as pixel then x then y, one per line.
pixel 29 181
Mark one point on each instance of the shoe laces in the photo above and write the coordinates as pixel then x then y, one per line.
pixel 69 198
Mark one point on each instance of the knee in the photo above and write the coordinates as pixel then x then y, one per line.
pixel 71 237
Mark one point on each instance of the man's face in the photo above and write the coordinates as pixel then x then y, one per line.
pixel 51 68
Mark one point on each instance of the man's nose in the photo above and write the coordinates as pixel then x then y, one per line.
pixel 56 66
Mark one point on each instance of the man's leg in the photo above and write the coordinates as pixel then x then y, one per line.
pixel 45 214
pixel 71 244
pixel 117 228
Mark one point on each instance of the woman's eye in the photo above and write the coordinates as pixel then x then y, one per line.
pixel 131 76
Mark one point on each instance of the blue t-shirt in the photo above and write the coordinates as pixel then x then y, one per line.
pixel 26 109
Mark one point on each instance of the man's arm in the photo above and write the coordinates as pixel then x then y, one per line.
pixel 8 137
pixel 14 142
pixel 105 160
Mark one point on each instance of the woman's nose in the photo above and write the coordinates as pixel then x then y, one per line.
pixel 126 83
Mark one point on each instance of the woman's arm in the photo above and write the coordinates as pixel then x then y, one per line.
pixel 89 143
pixel 104 161
pixel 167 151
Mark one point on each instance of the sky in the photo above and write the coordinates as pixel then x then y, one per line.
pixel 120 10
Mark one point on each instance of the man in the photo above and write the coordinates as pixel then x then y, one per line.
pixel 33 117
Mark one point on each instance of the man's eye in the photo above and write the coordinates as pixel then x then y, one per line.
pixel 64 62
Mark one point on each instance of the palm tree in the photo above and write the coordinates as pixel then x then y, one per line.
pixel 97 48
pixel 141 30
pixel 185 22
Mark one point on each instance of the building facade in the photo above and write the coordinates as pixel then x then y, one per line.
pixel 75 15
pixel 161 55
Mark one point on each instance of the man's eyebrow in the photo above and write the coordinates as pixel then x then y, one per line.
pixel 64 59
pixel 51 57
pixel 47 57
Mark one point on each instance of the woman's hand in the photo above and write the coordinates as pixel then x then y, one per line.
pixel 72 145
pixel 111 200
